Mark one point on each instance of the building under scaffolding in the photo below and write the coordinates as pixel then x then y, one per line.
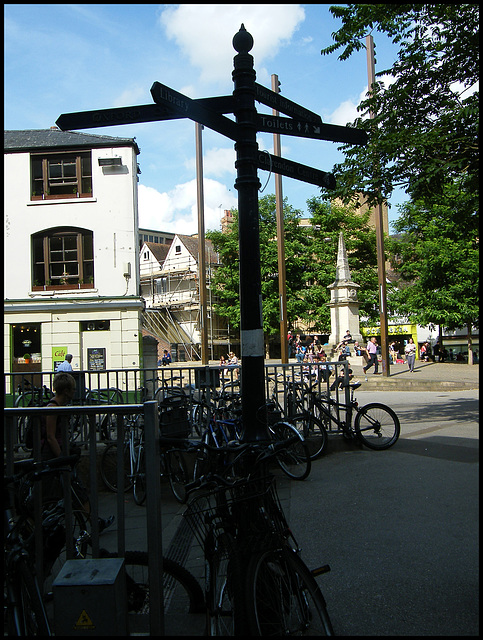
pixel 169 280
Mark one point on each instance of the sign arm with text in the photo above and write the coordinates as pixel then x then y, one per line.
pixel 291 169
pixel 188 108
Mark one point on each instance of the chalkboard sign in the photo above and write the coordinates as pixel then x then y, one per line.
pixel 96 359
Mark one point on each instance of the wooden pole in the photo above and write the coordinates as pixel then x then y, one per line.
pixel 282 283
pixel 381 267
pixel 201 244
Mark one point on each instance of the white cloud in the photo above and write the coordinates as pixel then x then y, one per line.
pixel 204 32
pixel 135 95
pixel 177 210
pixel 347 112
pixel 216 162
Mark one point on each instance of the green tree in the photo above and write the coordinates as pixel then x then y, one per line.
pixel 298 258
pixel 328 220
pixel 310 264
pixel 437 258
pixel 425 130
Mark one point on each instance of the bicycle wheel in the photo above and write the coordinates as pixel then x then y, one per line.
pixel 313 432
pixel 283 598
pixel 108 467
pixel 200 418
pixel 377 426
pixel 178 474
pixel 26 615
pixel 295 459
pixel 139 480
pixel 183 596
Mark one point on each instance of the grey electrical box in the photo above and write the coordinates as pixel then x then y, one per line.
pixel 90 598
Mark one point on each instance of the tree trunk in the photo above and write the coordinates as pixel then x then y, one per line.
pixel 470 344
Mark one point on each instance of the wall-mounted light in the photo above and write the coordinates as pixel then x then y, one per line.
pixel 110 162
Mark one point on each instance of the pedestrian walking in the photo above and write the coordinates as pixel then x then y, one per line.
pixel 410 351
pixel 372 351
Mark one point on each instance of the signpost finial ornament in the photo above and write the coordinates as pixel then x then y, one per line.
pixel 242 41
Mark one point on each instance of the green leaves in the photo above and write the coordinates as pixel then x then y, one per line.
pixel 424 134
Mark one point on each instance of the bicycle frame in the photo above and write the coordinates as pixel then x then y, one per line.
pixel 324 404
pixel 235 522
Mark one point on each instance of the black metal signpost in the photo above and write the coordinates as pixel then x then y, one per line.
pixel 170 104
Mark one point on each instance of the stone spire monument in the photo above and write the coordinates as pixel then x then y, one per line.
pixel 344 307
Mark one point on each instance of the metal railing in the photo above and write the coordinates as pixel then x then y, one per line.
pixel 153 495
pixel 195 381
pixel 136 386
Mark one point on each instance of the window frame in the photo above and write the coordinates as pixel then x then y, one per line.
pixel 42 259
pixel 41 162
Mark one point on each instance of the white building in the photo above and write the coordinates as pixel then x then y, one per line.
pixel 170 286
pixel 71 251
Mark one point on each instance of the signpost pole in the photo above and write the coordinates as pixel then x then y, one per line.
pixel 247 185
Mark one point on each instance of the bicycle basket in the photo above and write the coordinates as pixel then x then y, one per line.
pixel 171 397
pixel 174 423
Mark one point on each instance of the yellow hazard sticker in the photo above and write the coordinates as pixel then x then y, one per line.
pixel 84 622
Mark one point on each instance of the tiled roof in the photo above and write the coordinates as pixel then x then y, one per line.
pixel 56 139
pixel 192 243
pixel 159 251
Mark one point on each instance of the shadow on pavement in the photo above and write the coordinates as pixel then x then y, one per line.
pixel 445 448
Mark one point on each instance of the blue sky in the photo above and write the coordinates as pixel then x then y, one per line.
pixel 64 58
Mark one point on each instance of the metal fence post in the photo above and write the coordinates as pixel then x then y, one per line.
pixel 153 518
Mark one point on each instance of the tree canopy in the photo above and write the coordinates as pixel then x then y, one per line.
pixel 425 126
pixel 423 137
pixel 438 260
pixel 310 264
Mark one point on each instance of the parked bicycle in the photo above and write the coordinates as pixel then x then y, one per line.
pixel 181 591
pixel 29 396
pixel 24 610
pixel 294 459
pixel 255 580
pixel 294 411
pixel 374 425
pixel 173 418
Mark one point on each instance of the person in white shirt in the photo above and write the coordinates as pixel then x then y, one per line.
pixel 372 352
pixel 410 351
pixel 66 365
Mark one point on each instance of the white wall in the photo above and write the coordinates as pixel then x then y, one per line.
pixel 111 214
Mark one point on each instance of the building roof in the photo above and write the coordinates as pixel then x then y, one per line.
pixel 159 251
pixel 192 244
pixel 54 138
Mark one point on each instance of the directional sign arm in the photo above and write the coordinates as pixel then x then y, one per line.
pixel 135 114
pixel 188 108
pixel 280 103
pixel 291 169
pixel 304 129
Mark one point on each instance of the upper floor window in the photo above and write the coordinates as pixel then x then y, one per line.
pixel 61 175
pixel 63 256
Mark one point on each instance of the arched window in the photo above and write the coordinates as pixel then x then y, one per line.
pixel 63 255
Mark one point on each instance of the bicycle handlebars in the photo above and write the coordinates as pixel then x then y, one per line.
pixel 41 468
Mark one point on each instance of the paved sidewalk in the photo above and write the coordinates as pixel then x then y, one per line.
pixel 180 546
pixel 427 376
